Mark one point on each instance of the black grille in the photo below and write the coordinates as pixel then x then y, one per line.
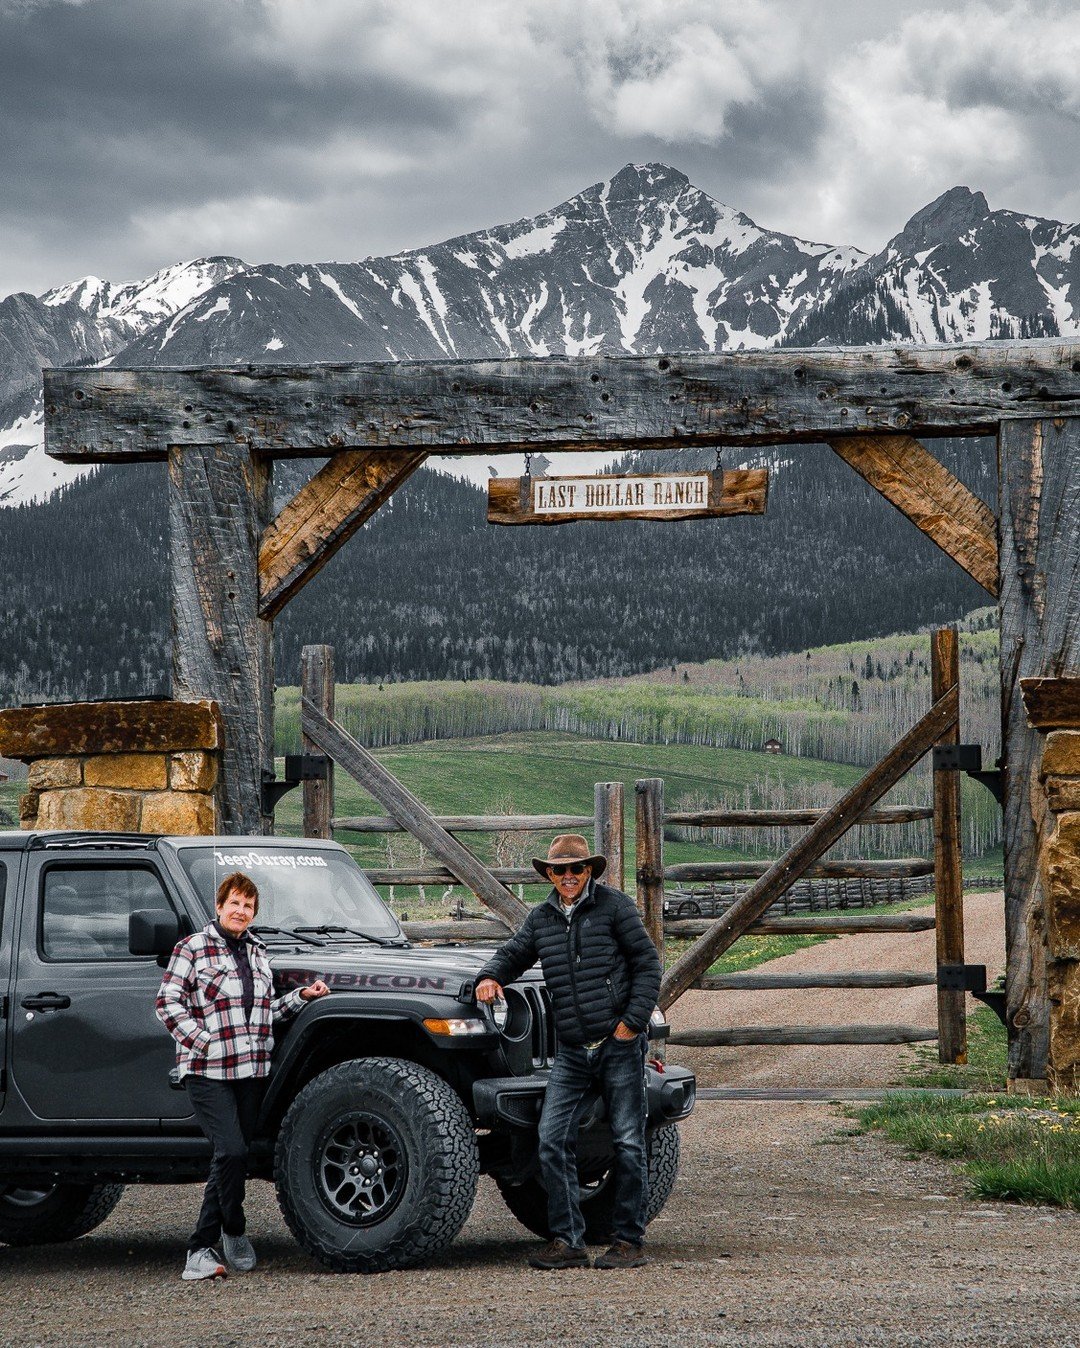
pixel 543 1023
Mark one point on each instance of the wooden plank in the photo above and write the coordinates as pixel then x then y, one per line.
pixel 1052 704
pixel 440 875
pixel 473 823
pixel 458 407
pixel 890 814
pixel 745 870
pixel 911 479
pixel 948 864
pixel 519 500
pixel 468 929
pixel 754 982
pixel 323 515
pixel 649 862
pixel 1040 638
pixel 317 684
pixel 219 503
pixel 366 769
pixel 802 1034
pixel 729 926
pixel 848 924
pixel 609 830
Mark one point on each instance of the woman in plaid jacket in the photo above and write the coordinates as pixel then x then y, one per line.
pixel 216 1000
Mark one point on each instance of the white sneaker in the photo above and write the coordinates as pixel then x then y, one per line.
pixel 239 1252
pixel 205 1263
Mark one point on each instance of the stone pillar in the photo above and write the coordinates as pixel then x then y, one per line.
pixel 127 767
pixel 1053 707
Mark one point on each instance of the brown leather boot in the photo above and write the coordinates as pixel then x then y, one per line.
pixel 559 1255
pixel 622 1255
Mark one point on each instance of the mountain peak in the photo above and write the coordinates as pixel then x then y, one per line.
pixel 649 180
pixel 948 216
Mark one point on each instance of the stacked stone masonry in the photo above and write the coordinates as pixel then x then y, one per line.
pixel 1053 706
pixel 132 767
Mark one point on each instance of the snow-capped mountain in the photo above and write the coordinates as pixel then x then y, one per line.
pixel 643 262
pixel 84 323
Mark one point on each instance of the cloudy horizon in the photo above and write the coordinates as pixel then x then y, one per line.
pixel 137 133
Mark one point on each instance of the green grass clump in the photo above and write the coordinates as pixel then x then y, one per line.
pixel 987 1065
pixel 1010 1148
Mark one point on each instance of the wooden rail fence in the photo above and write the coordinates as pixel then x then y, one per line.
pixel 748 913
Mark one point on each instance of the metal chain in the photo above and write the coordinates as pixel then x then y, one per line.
pixel 528 465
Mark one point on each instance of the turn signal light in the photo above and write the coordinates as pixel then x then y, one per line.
pixel 455 1027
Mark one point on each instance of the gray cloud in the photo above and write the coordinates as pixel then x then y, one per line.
pixel 137 132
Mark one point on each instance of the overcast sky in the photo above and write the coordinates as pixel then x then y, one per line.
pixel 136 133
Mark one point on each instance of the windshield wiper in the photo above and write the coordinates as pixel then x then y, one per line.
pixel 354 931
pixel 293 934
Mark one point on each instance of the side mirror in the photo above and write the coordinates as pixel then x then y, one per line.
pixel 153 931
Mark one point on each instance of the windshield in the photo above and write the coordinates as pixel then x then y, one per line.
pixel 297 888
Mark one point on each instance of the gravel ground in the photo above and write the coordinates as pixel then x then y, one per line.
pixel 773 1236
pixel 781 1232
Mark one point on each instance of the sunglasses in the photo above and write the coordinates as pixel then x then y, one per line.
pixel 575 868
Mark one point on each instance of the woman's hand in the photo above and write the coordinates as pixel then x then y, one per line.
pixel 313 990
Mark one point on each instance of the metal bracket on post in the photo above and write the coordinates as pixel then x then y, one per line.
pixel 972 978
pixel 298 768
pixel 968 758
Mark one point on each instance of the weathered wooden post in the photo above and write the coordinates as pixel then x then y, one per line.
pixel 219 505
pixel 1039 475
pixel 317 685
pixel 649 847
pixel 948 863
pixel 608 833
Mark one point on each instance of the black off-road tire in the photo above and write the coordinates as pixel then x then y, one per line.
pixel 528 1201
pixel 33 1216
pixel 414 1127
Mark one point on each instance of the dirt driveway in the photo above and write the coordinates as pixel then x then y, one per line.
pixel 778 1234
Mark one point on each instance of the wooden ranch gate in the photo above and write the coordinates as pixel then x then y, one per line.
pixel 233 567
pixel 452 863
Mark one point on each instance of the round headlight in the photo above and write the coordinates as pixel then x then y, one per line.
pixel 500 1014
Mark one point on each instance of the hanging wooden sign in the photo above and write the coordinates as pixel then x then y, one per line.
pixel 635 496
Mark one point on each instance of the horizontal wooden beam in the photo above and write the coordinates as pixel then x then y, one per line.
pixel 896 978
pixel 467 929
pixel 819 870
pixel 472 823
pixel 737 491
pixel 99 415
pixel 774 982
pixel 846 924
pixel 803 1034
pixel 932 498
pixel 893 814
pixel 1052 704
pixel 323 515
pixel 439 875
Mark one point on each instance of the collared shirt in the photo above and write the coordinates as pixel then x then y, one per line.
pixel 238 949
pixel 201 1004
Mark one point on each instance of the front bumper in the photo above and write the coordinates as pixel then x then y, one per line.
pixel 515 1102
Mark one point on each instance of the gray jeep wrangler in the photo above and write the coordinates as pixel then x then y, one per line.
pixel 387 1099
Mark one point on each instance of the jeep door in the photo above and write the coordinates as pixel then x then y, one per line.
pixel 86 1044
pixel 9 870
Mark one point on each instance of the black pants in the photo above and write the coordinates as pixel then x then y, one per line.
pixel 227 1112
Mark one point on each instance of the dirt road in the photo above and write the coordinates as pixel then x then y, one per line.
pixel 778 1234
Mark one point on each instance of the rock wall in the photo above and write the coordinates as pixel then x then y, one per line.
pixel 130 767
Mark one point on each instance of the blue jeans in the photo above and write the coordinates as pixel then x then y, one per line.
pixel 617 1069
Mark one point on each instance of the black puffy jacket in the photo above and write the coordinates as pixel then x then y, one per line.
pixel 600 967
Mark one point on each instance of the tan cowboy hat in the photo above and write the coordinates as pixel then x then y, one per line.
pixel 566 849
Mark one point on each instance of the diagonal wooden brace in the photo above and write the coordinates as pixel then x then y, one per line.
pixel 324 514
pixel 911 479
pixel 783 873
pixel 409 812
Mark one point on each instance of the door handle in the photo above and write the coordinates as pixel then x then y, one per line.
pixel 46 1001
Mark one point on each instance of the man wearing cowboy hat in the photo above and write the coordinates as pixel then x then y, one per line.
pixel 603 974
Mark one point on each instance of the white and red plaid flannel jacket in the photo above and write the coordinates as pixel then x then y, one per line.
pixel 201 1004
